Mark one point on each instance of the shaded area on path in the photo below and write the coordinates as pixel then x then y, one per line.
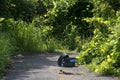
pixel 44 67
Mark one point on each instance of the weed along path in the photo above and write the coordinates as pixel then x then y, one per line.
pixel 44 67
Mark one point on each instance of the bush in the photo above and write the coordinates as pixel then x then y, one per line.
pixel 66 17
pixel 29 38
pixel 5 53
pixel 103 51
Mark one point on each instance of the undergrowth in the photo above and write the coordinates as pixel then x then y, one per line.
pixel 29 38
pixel 6 51
pixel 102 53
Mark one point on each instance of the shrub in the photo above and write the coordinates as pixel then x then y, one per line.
pixel 103 51
pixel 29 38
pixel 5 53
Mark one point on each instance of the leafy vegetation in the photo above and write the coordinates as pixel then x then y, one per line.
pixel 102 53
pixel 88 26
pixel 6 50
pixel 66 17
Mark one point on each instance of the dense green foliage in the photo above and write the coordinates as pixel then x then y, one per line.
pixel 6 50
pixel 66 17
pixel 89 26
pixel 102 53
pixel 21 9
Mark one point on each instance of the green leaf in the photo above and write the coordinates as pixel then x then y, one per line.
pixel 1 19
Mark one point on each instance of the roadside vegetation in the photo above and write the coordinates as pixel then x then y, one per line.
pixel 87 26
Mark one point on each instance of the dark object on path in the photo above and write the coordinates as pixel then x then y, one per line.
pixel 69 62
pixel 60 59
pixel 66 61
pixel 68 73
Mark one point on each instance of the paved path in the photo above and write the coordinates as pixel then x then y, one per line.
pixel 44 67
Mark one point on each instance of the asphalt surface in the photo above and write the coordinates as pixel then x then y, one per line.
pixel 44 67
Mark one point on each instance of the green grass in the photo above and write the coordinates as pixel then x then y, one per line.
pixel 5 53
pixel 28 38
